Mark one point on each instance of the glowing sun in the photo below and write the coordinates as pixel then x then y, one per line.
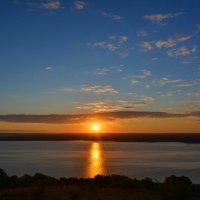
pixel 96 127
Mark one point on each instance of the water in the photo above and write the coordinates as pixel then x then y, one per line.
pixel 86 159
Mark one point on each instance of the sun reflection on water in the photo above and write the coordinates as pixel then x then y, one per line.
pixel 95 160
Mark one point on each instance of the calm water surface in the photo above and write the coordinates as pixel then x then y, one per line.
pixel 86 159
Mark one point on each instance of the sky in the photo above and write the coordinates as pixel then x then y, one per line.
pixel 130 65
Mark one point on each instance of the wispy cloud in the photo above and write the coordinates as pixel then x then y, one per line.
pixel 123 38
pixel 124 54
pixel 120 38
pixel 102 71
pixel 101 106
pixel 154 59
pixel 100 89
pixel 147 46
pixel 182 51
pixel 167 43
pixel 165 81
pixel 54 68
pixel 169 94
pixel 147 99
pixel 80 5
pixel 97 89
pixel 161 17
pixel 68 89
pixel 134 82
pixel 142 33
pixel 51 5
pixel 146 72
pixel 112 43
pixel 106 45
pixel 48 68
pixel 172 41
pixel 185 62
pixel 147 86
pixel 184 85
pixel 117 68
pixel 112 16
pixel 135 79
pixel 105 70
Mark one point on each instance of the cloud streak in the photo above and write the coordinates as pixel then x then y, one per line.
pixel 51 5
pixel 161 17
pixel 112 16
pixel 83 118
pixel 165 81
pixel 120 105
pixel 171 42
pixel 105 45
pixel 167 43
pixel 106 70
pixel 184 85
pixel 100 89
pixel 147 46
pixel 114 42
pixel 182 51
pixel 137 78
pixel 142 33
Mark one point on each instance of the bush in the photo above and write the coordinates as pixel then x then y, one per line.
pixel 178 188
pixel 3 178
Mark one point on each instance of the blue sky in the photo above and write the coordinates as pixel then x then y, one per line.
pixel 71 57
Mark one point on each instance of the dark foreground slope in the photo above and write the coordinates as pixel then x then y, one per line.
pixel 114 187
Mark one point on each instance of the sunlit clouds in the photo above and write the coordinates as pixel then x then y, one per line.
pixel 112 42
pixel 51 5
pixel 182 51
pixel 112 16
pixel 119 105
pixel 162 17
pixel 80 5
pixel 100 89
pixel 165 81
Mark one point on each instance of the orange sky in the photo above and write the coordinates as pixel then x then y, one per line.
pixel 137 125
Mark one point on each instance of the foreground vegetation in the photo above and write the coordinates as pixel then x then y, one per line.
pixel 113 187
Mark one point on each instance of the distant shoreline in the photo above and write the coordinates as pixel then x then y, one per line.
pixel 119 137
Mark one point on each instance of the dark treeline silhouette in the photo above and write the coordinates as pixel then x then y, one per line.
pixel 119 137
pixel 100 187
